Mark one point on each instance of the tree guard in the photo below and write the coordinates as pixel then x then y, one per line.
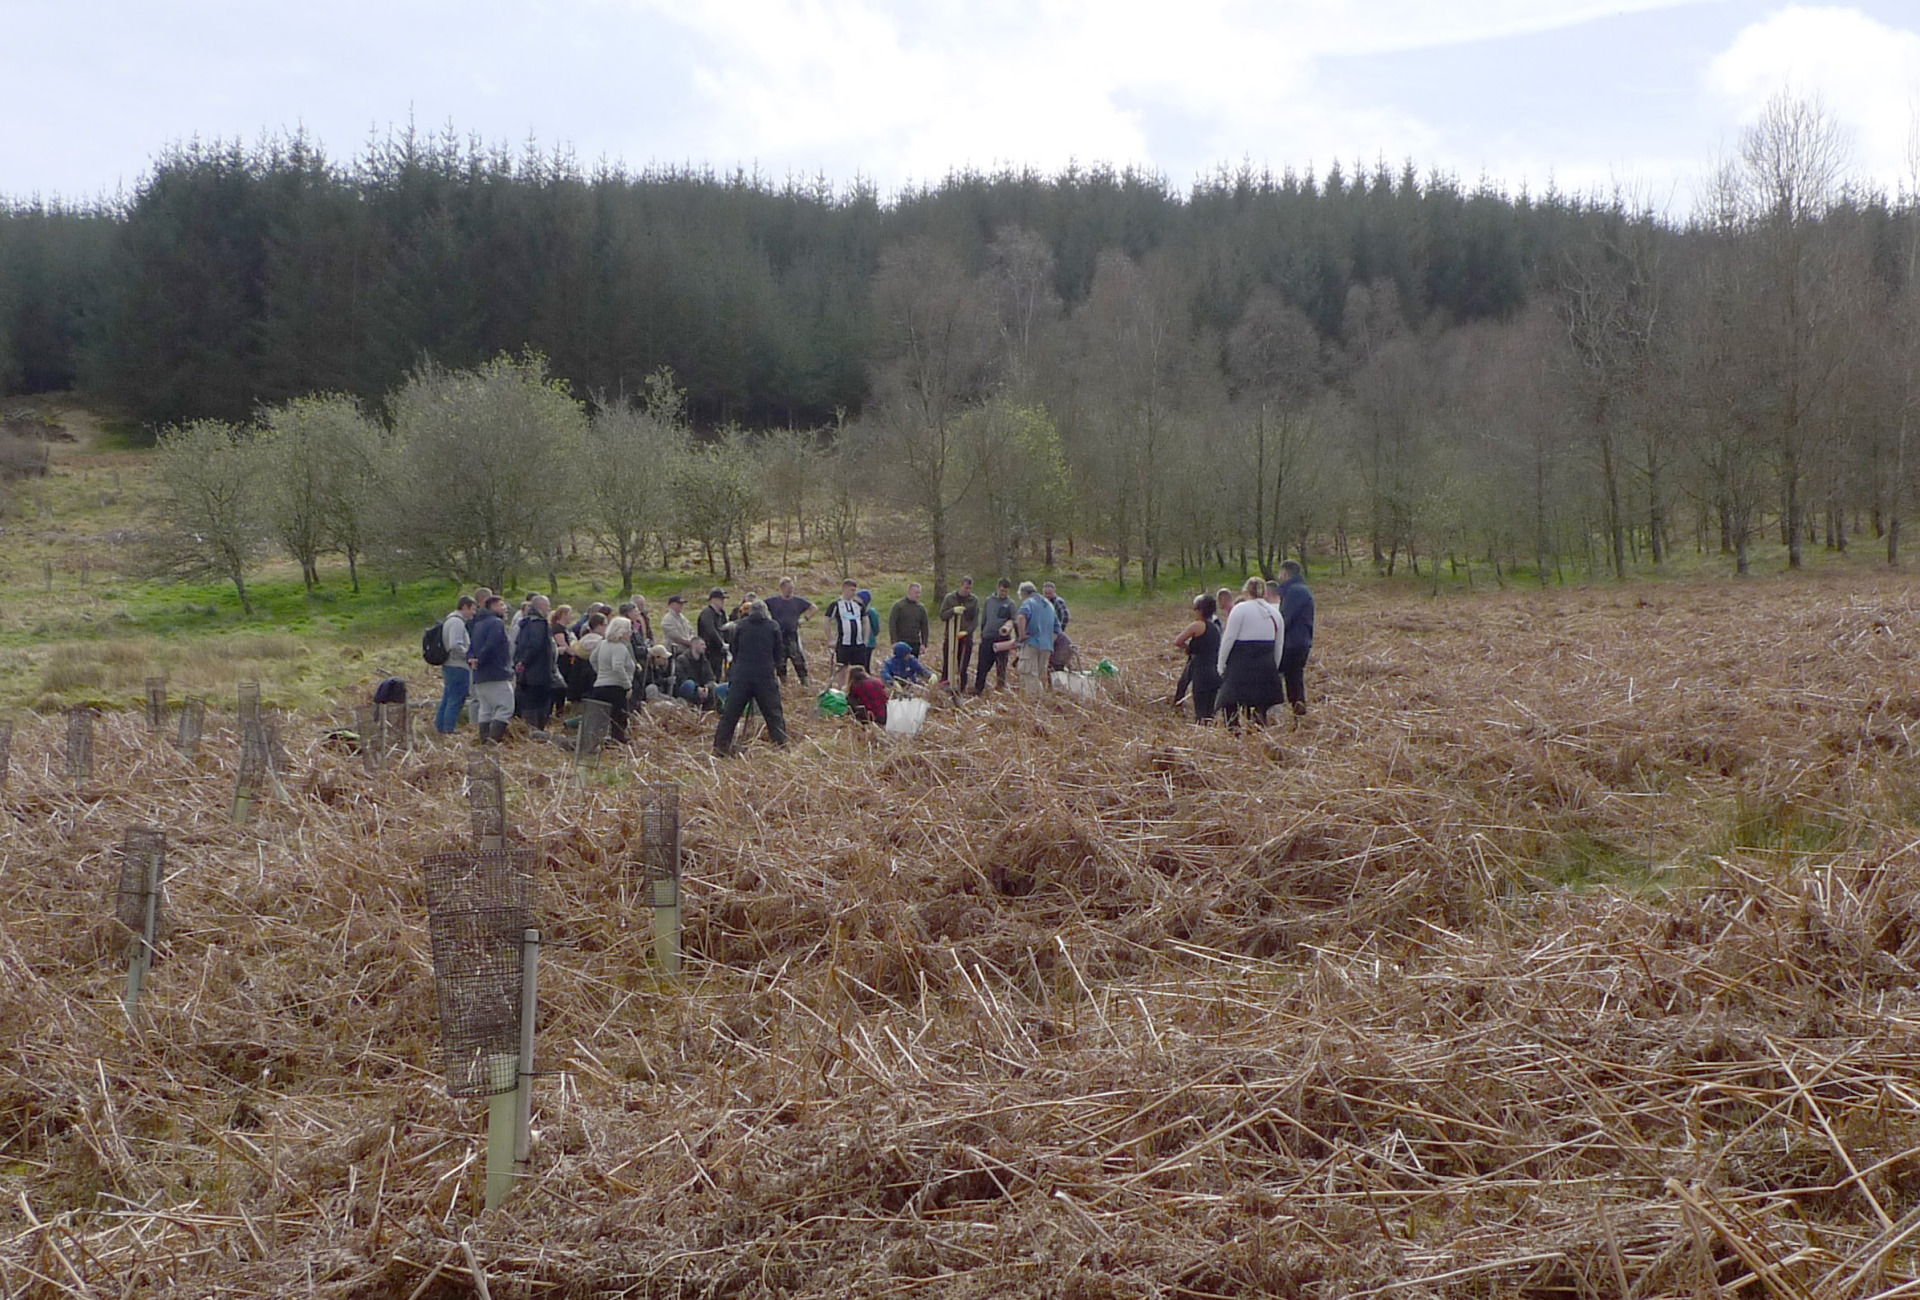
pixel 660 871
pixel 487 797
pixel 193 720
pixel 80 744
pixel 138 902
pixel 157 709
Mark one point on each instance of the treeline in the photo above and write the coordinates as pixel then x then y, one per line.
pixel 1376 366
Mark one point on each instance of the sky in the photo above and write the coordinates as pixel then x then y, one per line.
pixel 1639 95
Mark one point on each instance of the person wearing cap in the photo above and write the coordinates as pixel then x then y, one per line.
pixel 996 612
pixel 654 680
pixel 712 631
pixel 676 629
pixel 847 627
pixel 788 610
pixel 757 647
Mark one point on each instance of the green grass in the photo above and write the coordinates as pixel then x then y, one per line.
pixel 1579 860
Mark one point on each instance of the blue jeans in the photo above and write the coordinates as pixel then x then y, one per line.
pixel 454 680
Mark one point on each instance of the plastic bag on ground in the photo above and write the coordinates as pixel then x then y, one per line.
pixel 905 717
pixel 833 703
pixel 1075 684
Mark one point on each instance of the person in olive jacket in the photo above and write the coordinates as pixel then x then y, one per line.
pixel 960 614
pixel 758 645
pixel 907 621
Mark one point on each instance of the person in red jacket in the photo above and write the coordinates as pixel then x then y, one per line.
pixel 866 697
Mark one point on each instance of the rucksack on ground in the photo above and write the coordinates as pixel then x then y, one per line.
pixel 433 644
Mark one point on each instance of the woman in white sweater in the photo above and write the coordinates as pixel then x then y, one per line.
pixel 613 668
pixel 1250 657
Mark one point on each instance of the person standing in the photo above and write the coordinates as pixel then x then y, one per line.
pixel 907 621
pixel 1296 611
pixel 1201 640
pixel 1036 624
pixel 613 669
pixel 455 677
pixel 1249 661
pixel 491 660
pixel 788 610
pixel 642 627
pixel 996 614
pixel 533 664
pixel 757 647
pixel 872 617
pixel 1060 613
pixel 676 629
pixel 847 627
pixel 712 631
pixel 960 619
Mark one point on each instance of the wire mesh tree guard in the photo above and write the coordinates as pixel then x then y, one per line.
pixel 485 974
pixel 272 726
pixel 193 721
pixel 385 730
pixel 660 870
pixel 80 744
pixel 248 694
pixel 139 900
pixel 157 709
pixel 487 797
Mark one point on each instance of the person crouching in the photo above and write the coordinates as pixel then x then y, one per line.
pixel 866 698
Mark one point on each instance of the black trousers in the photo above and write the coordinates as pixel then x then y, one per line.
pixel 615 698
pixel 989 659
pixel 1181 687
pixel 1203 702
pixel 1293 674
pixel 764 692
pixel 791 652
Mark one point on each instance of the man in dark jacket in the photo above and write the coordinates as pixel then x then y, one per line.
pixel 907 621
pixel 712 629
pixel 1296 641
pixel 996 611
pixel 534 664
pixel 757 647
pixel 959 615
pixel 492 663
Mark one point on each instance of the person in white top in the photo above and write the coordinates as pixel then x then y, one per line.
pixel 613 669
pixel 1250 657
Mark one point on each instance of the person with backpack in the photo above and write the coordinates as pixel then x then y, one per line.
pixel 491 660
pixel 445 644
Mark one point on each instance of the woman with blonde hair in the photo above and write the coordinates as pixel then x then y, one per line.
pixel 1249 660
pixel 613 669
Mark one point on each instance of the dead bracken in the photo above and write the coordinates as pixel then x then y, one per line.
pixel 1569 949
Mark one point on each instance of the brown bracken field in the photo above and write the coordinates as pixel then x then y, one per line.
pixel 1569 950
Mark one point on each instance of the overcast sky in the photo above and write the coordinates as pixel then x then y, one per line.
pixel 1637 92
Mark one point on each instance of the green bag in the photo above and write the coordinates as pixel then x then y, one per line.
pixel 833 704
pixel 1107 668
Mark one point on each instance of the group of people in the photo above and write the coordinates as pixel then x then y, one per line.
pixel 1247 655
pixel 540 660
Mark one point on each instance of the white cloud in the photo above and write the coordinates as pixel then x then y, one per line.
pixel 913 91
pixel 1865 72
